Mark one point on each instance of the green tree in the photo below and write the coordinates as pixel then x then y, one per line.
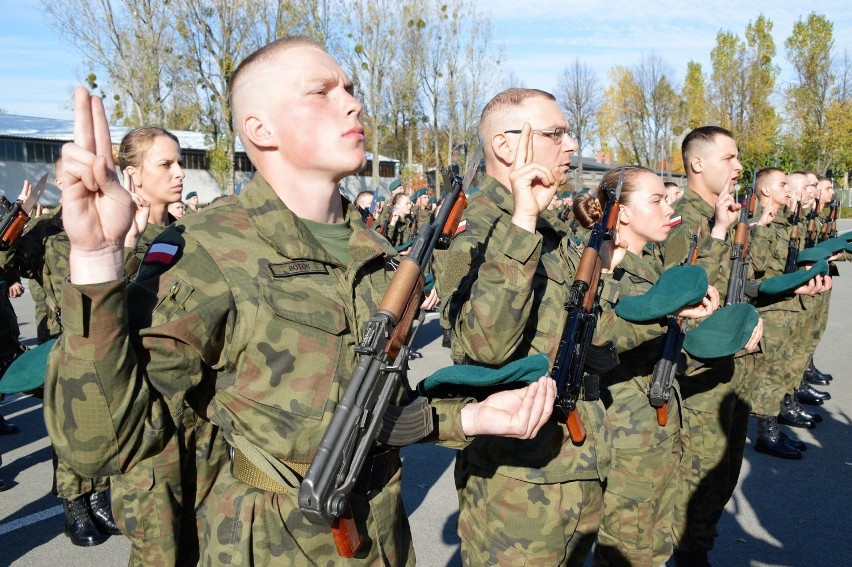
pixel 694 96
pixel 816 97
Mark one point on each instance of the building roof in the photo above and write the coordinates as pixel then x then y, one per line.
pixel 55 130
pixel 52 129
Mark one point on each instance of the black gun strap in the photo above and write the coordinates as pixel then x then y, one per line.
pixel 404 425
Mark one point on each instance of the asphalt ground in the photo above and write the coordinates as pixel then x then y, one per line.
pixel 784 513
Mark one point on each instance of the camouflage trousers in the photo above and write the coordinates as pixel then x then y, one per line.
pixel 715 421
pixel 779 368
pixel 813 325
pixel 506 521
pixel 160 504
pixel 70 485
pixel 640 489
pixel 250 526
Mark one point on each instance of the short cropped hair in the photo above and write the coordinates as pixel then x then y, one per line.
pixel 699 137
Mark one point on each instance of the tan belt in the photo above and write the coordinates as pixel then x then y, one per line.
pixel 246 472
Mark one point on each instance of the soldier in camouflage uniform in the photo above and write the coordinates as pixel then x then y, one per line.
pixel 505 280
pixel 815 318
pixel 41 254
pixel 778 369
pixel 640 491
pixel 248 312
pixel 715 416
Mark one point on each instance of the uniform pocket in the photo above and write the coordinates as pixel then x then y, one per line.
pixel 628 510
pixel 298 338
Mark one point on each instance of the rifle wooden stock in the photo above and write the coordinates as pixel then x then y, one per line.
pixel 452 224
pixel 402 302
pixel 13 226
pixel 346 536
pixel 575 426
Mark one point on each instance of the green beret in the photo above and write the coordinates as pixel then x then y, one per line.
pixel 812 254
pixel 432 200
pixel 677 287
pixel 28 370
pixel 565 194
pixel 833 245
pixel 404 245
pixel 525 370
pixel 428 283
pixel 394 184
pixel 723 333
pixel 380 199
pixel 472 191
pixel 847 236
pixel 417 194
pixel 190 195
pixel 788 282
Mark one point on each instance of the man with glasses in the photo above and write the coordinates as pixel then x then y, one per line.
pixel 506 278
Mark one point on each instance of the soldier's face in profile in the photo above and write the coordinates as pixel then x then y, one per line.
pixel 544 114
pixel 314 113
pixel 720 164
pixel 779 191
pixel 648 213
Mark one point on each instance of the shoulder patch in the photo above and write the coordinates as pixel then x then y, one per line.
pixel 161 253
pixel 297 268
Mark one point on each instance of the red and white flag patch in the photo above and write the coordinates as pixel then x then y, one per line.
pixel 461 227
pixel 161 253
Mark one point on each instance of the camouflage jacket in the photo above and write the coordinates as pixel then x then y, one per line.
pixel 714 255
pixel 503 290
pixel 237 311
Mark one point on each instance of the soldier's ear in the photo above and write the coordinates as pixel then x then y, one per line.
pixel 695 164
pixel 131 178
pixel 258 134
pixel 624 214
pixel 502 149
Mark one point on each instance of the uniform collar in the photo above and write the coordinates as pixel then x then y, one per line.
pixel 281 229
pixel 642 267
pixel 692 199
pixel 502 197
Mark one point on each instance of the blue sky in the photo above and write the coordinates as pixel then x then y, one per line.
pixel 39 68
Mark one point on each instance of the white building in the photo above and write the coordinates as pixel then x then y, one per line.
pixel 29 147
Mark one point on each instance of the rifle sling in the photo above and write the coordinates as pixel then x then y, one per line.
pixel 404 425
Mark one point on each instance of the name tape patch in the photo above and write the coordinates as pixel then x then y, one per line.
pixel 297 268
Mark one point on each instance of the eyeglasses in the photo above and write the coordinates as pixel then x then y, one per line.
pixel 555 134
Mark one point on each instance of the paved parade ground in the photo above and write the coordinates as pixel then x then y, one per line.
pixel 785 513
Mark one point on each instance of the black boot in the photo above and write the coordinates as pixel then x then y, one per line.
pixel 792 442
pixel 79 525
pixel 691 558
pixel 814 376
pixel 102 512
pixel 813 416
pixel 790 416
pixel 807 394
pixel 446 341
pixel 769 440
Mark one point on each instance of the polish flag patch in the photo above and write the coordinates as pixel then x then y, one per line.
pixel 161 253
pixel 461 227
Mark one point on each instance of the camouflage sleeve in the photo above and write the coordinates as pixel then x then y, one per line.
pixel 762 248
pixel 126 361
pixel 493 301
pixel 713 254
pixel 626 335
pixel 449 430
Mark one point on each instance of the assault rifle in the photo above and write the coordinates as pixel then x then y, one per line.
pixel 812 235
pixel 15 216
pixel 357 423
pixel 831 219
pixel 664 370
pixel 569 370
pixel 740 250
pixel 793 246
pixel 835 212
